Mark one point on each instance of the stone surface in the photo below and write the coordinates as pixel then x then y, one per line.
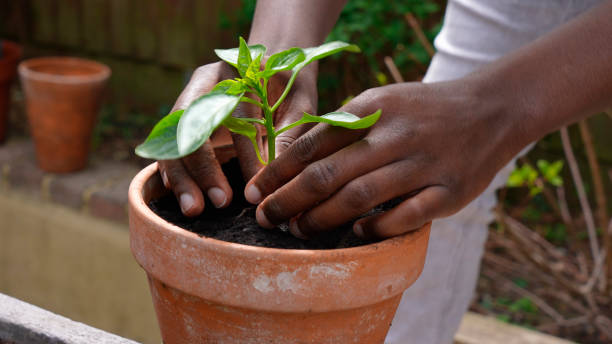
pixel 111 202
pixel 74 189
pixel 14 150
pixel 479 329
pixel 22 323
pixel 73 264
pixel 23 173
pixel 100 189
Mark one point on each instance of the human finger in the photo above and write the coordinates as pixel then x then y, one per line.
pixel 359 196
pixel 204 168
pixel 187 192
pixel 432 202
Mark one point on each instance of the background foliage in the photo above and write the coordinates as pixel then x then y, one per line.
pixel 379 28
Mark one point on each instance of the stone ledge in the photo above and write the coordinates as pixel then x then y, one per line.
pixel 480 329
pixel 22 323
pixel 99 190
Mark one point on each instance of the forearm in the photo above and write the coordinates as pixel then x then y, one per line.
pixel 560 78
pixel 280 24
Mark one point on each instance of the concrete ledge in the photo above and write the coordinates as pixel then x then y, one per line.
pixel 479 329
pixel 73 264
pixel 22 323
pixel 99 190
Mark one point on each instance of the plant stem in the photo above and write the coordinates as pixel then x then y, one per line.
pixel 286 91
pixel 290 126
pixel 253 120
pixel 252 101
pixel 271 146
pixel 269 123
pixel 258 152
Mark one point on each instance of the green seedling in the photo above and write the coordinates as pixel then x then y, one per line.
pixel 183 131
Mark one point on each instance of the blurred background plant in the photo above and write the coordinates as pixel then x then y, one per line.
pixel 381 28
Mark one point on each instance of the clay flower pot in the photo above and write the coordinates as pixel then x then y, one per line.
pixel 63 96
pixel 11 52
pixel 210 291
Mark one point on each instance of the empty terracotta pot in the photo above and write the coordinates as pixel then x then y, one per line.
pixel 11 53
pixel 63 96
pixel 210 291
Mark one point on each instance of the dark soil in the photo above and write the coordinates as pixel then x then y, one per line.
pixel 237 223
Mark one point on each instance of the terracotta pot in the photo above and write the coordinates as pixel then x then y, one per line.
pixel 11 52
pixel 210 291
pixel 63 97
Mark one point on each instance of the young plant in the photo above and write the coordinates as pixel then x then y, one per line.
pixel 184 131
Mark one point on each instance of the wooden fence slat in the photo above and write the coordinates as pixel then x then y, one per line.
pixel 68 23
pixel 95 27
pixel 145 28
pixel 176 36
pixel 119 28
pixel 43 21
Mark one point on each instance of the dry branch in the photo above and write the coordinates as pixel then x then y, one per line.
pixel 564 211
pixel 584 201
pixel 543 305
pixel 600 194
pixel 395 73
pixel 418 30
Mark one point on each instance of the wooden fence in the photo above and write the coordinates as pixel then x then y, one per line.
pixel 151 45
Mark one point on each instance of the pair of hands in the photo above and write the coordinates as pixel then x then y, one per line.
pixel 437 145
pixel 200 172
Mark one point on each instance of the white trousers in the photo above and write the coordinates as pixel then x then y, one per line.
pixel 475 32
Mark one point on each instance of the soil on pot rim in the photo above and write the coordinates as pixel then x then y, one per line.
pixel 237 222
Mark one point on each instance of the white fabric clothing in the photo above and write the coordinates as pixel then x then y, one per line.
pixel 474 33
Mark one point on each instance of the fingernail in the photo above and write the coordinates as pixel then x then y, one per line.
pixel 252 194
pixel 358 230
pixel 217 196
pixel 165 179
pixel 295 229
pixel 262 219
pixel 186 201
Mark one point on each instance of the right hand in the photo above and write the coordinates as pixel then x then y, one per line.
pixel 200 171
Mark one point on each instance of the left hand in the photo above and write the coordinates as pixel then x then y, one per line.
pixel 439 143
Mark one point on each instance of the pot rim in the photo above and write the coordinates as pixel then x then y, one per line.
pixel 26 70
pixel 269 279
pixel 137 203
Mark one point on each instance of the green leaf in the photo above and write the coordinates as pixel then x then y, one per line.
pixel 231 55
pixel 161 142
pixel 382 78
pixel 551 171
pixel 244 58
pixel 201 118
pixel 534 190
pixel 515 179
pixel 556 181
pixel 244 126
pixel 330 48
pixel 231 87
pixel 253 72
pixel 338 119
pixel 240 126
pixel 283 60
pixel 344 119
